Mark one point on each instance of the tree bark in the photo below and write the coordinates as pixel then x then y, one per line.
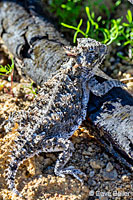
pixel 34 41
pixel 112 123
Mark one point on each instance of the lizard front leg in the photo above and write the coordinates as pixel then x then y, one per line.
pixel 65 145
pixel 100 89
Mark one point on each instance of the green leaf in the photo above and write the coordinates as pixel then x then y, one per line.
pixel 75 36
pixel 106 34
pixel 69 26
pixel 7 69
pixel 118 3
pixel 93 15
pixel 3 69
pixel 91 18
pixel 125 24
pixel 99 18
pixel 123 57
pixel 80 23
pixel 127 42
pixel 119 20
pixel 129 16
pixel 88 27
pixel 78 30
pixel 88 13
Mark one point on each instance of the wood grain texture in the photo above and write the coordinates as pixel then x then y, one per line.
pixel 112 119
pixel 32 39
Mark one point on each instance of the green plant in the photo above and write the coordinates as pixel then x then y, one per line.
pixel 110 30
pixel 128 29
pixel 127 36
pixel 66 11
pixel 8 71
pixel 102 7
pixel 92 26
pixel 69 11
pixel 32 89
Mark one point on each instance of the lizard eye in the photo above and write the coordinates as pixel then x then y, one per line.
pixel 91 57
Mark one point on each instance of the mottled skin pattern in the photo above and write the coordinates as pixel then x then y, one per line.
pixel 58 110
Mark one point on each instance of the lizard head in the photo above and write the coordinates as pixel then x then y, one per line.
pixel 90 52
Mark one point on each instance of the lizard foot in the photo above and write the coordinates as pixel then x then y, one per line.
pixel 72 171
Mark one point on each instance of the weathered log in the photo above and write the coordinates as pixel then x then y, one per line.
pixel 32 39
pixel 112 121
pixel 35 41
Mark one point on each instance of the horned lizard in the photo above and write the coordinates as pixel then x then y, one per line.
pixel 58 110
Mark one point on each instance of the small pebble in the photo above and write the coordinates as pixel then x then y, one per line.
pixel 125 178
pixel 107 63
pixel 112 59
pixel 94 183
pixel 103 198
pixel 90 151
pixel 110 175
pixel 105 156
pixel 95 164
pixel 47 162
pixel 112 67
pixel 91 174
pixel 109 167
pixel 87 153
pixel 115 71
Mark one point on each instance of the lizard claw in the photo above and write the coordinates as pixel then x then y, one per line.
pixel 74 172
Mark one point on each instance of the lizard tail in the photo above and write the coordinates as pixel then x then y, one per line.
pixel 10 174
pixel 24 149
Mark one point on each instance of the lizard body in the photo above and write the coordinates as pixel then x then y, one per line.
pixel 58 110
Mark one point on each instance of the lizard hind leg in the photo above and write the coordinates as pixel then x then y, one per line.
pixel 64 158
